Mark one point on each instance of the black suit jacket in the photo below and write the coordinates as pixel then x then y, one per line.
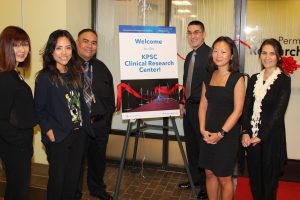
pixel 103 89
pixel 199 73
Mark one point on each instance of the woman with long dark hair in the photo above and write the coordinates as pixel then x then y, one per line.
pixel 267 98
pixel 16 112
pixel 62 114
pixel 221 105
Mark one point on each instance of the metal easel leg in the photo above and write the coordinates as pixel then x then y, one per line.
pixel 183 155
pixel 136 142
pixel 122 162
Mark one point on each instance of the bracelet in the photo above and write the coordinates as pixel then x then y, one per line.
pixel 222 132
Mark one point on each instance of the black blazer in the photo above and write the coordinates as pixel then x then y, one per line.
pixel 52 109
pixel 16 109
pixel 104 106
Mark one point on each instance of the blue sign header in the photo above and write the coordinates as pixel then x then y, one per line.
pixel 146 29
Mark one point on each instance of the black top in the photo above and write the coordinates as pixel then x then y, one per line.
pixel 199 72
pixel 272 126
pixel 16 109
pixel 52 109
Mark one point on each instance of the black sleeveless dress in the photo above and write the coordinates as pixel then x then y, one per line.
pixel 221 157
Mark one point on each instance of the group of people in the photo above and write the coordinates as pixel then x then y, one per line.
pixel 73 110
pixel 219 116
pixel 74 102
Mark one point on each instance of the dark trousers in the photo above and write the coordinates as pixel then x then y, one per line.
pixel 17 163
pixel 96 156
pixel 263 175
pixel 65 161
pixel 192 138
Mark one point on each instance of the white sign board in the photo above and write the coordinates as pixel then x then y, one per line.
pixel 149 70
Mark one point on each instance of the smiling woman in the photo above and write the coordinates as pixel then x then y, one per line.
pixel 17 112
pixel 62 114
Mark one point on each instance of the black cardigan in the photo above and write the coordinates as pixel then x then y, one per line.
pixel 16 109
pixel 52 109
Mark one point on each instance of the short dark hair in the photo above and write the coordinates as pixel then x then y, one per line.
pixel 234 62
pixel 9 37
pixel 87 30
pixel 197 23
pixel 278 50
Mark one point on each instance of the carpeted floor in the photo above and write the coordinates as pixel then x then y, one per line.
pixel 286 190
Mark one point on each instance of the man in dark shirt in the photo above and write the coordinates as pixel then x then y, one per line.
pixel 194 74
pixel 100 98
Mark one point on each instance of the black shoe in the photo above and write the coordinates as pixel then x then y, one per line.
pixel 202 195
pixel 102 195
pixel 186 185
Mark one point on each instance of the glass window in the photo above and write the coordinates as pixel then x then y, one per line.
pixel 111 14
pixel 217 16
pixel 277 19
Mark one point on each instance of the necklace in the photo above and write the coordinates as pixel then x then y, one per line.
pixel 260 91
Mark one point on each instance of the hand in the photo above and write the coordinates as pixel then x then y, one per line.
pixel 182 110
pixel 214 138
pixel 210 138
pixel 50 135
pixel 255 141
pixel 246 140
pixel 205 134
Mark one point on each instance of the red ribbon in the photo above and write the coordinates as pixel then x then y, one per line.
pixel 157 90
pixel 180 56
pixel 244 43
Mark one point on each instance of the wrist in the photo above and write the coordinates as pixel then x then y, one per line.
pixel 222 132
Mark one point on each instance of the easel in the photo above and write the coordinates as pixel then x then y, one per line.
pixel 139 128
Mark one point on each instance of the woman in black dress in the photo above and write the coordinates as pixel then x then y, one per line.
pixel 16 112
pixel 220 107
pixel 267 99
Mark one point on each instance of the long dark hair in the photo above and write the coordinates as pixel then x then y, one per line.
pixel 49 64
pixel 10 37
pixel 278 50
pixel 234 62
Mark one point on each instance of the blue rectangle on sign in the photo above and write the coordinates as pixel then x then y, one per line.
pixel 146 29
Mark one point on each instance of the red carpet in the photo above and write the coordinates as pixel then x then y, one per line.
pixel 286 190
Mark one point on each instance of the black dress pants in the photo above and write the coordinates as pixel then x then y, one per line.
pixel 17 164
pixel 96 156
pixel 192 138
pixel 264 176
pixel 65 161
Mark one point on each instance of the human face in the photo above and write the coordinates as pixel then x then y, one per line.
pixel 21 50
pixel 268 57
pixel 195 36
pixel 62 52
pixel 221 54
pixel 87 45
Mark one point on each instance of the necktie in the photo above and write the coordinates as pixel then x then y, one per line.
pixel 87 89
pixel 190 76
